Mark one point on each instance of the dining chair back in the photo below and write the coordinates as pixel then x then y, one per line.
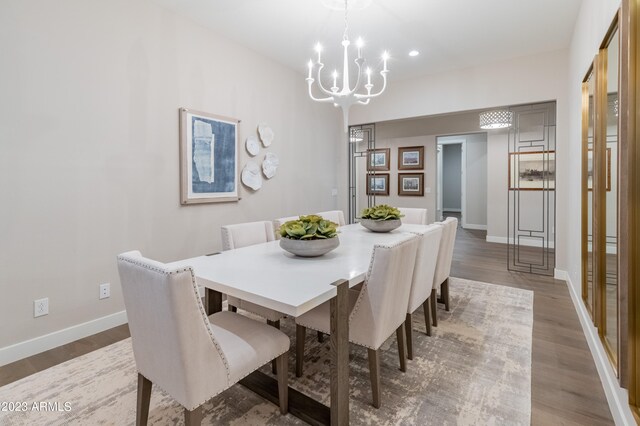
pixel 336 216
pixel 413 216
pixel 422 292
pixel 246 234
pixel 423 273
pixel 381 305
pixel 175 344
pixel 443 266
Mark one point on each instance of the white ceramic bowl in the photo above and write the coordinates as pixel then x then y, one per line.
pixel 380 225
pixel 309 248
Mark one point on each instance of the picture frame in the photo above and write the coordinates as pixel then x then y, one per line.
pixel 378 159
pixel 411 184
pixel 208 158
pixel 533 170
pixel 378 184
pixel 590 169
pixel 411 158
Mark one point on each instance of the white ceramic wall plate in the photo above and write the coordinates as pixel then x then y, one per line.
pixel 251 176
pixel 270 165
pixel 266 134
pixel 253 146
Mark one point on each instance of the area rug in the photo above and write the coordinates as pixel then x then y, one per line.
pixel 474 369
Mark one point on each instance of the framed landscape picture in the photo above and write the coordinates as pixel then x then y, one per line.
pixel 411 184
pixel 378 159
pixel 590 169
pixel 378 184
pixel 208 158
pixel 411 158
pixel 532 171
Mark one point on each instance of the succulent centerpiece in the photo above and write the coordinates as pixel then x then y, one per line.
pixel 309 236
pixel 381 218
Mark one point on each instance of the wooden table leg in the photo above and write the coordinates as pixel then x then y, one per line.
pixel 339 347
pixel 212 301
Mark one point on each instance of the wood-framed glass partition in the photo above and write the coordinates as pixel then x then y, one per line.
pixel 588 120
pixel 601 121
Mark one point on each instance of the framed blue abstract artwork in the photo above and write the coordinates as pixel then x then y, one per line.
pixel 208 158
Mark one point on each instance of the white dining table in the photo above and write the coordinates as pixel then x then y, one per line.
pixel 267 275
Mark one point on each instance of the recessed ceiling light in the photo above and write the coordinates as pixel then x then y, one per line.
pixel 414 53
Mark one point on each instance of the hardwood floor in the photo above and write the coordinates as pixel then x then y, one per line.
pixel 565 386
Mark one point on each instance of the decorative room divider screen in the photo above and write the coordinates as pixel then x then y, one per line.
pixel 531 194
pixel 362 141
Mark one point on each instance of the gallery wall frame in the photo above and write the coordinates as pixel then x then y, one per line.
pixel 378 159
pixel 209 171
pixel 411 158
pixel 532 170
pixel 378 184
pixel 411 184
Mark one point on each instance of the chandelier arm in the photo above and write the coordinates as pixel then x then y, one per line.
pixel 325 91
pixel 365 102
pixel 359 80
pixel 373 95
pixel 327 99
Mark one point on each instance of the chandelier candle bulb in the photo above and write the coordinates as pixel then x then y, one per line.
pixel 369 77
pixel 318 50
pixel 359 43
pixel 335 80
pixel 310 65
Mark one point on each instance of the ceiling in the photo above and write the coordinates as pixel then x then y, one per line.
pixel 450 34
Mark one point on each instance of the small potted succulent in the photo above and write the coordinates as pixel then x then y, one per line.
pixel 309 236
pixel 381 218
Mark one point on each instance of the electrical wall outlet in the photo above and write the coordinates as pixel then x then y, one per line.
pixel 427 190
pixel 40 307
pixel 105 291
pixel 334 192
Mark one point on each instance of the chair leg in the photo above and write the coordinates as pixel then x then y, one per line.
pixel 300 336
pixel 283 386
pixel 402 347
pixel 444 289
pixel 320 337
pixel 275 324
pixel 434 307
pixel 193 417
pixel 408 328
pixel 374 372
pixel 144 397
pixel 427 313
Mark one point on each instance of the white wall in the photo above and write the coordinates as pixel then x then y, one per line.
pixel 452 177
pixel 89 148
pixel 516 81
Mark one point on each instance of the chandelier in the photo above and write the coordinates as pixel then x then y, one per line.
pixel 497 119
pixel 346 96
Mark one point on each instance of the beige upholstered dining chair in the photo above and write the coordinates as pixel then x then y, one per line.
pixel 242 235
pixel 422 281
pixel 336 216
pixel 443 266
pixel 190 356
pixel 413 216
pixel 376 311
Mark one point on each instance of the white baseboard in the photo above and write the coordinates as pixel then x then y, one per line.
pixel 36 345
pixel 452 210
pixel 474 226
pixel 617 397
pixel 534 242
pixel 559 274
